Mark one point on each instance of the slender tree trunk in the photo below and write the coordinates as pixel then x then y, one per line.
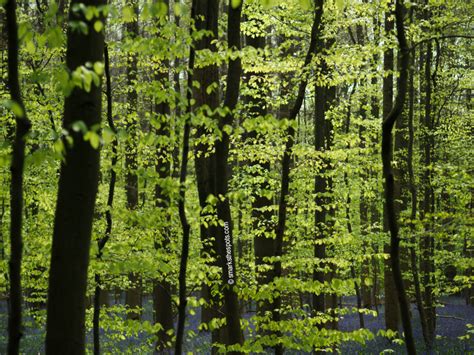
pixel 162 292
pixel 401 184
pixel 182 199
pixel 374 208
pixel 177 89
pixel 110 201
pixel 387 146
pixel 330 97
pixel 414 200
pixel 320 186
pixel 65 328
pixel 133 294
pixel 16 186
pixel 364 222
pixel 285 175
pixel 392 309
pixel 427 205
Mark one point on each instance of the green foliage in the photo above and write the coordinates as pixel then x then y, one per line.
pixel 356 44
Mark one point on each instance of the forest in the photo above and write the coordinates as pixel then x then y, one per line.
pixel 241 176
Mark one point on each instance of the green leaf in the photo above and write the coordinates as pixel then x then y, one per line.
pixel 98 26
pixel 128 14
pixel 235 3
pixel 93 138
pixel 99 68
pixel 89 13
pixel 14 107
pixel 177 9
pixel 55 37
pixel 30 46
pixel 59 146
pixel 79 126
pixel 306 4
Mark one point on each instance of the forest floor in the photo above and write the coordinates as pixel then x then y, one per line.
pixel 453 317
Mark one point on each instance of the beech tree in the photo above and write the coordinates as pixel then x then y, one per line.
pixel 16 186
pixel 78 180
pixel 247 196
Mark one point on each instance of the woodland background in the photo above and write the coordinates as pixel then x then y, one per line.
pixel 266 115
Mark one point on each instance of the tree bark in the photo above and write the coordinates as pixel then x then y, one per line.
pixel 65 328
pixel 110 201
pixel 162 292
pixel 427 204
pixel 392 309
pixel 224 232
pixel 320 186
pixel 133 293
pixel 182 199
pixel 206 15
pixel 414 200
pixel 387 146
pixel 16 186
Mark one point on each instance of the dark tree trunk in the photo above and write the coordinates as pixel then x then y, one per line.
pixel 364 221
pixel 207 12
pixel 182 199
pixel 98 293
pixel 224 233
pixel 65 328
pixel 133 294
pixel 414 199
pixel 162 292
pixel 177 88
pixel 387 146
pixel 392 309
pixel 16 187
pixel 400 146
pixel 285 174
pixel 330 97
pixel 427 204
pixel 320 185
pixel 374 203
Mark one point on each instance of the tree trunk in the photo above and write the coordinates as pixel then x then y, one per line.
pixel 182 199
pixel 389 186
pixel 392 309
pixel 133 293
pixel 98 292
pixel 427 204
pixel 65 328
pixel 320 187
pixel 224 232
pixel 374 203
pixel 16 186
pixel 204 157
pixel 414 200
pixel 162 292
